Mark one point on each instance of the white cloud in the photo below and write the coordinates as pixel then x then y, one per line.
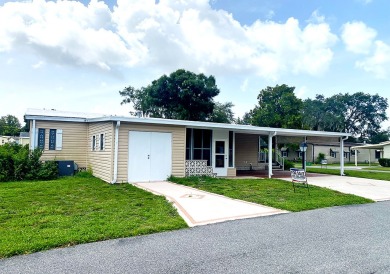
pixel 316 17
pixel 166 35
pixel 301 92
pixel 38 65
pixel 360 39
pixel 379 62
pixel 365 2
pixel 244 85
pixel 357 37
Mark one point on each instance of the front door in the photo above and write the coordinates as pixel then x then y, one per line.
pixel 220 157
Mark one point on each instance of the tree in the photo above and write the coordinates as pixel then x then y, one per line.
pixel 222 113
pixel 379 137
pixel 359 114
pixel 364 114
pixel 278 107
pixel 9 125
pixel 182 95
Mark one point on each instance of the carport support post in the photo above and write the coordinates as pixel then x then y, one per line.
pixel 356 157
pixel 270 135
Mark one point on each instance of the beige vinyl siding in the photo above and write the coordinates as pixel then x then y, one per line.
pixel 231 172
pixel 178 147
pixel 101 161
pixel 386 151
pixel 246 147
pixel 74 141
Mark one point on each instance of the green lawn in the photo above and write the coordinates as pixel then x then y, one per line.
pixel 380 168
pixel 40 215
pixel 272 192
pixel 353 173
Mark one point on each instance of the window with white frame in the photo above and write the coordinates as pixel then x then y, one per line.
pixel 98 142
pixel 284 152
pixel 55 139
pixel 333 153
pixel 346 154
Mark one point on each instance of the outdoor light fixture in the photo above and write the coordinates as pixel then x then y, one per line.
pixel 303 148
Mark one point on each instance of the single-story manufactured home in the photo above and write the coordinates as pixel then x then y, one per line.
pixel 133 149
pixel 22 139
pixel 381 150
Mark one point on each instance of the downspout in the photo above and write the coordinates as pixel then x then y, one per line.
pixel 342 139
pixel 33 135
pixel 118 123
pixel 270 135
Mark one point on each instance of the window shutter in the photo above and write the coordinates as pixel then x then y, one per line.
pixel 59 139
pixel 41 138
pixel 97 142
pixel 52 139
pixel 104 141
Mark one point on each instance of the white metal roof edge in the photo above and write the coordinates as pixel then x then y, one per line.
pixel 54 118
pixel 371 146
pixel 47 115
pixel 219 125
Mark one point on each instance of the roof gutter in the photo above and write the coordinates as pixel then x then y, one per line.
pixel 118 123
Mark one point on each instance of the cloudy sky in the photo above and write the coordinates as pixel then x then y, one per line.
pixel 77 55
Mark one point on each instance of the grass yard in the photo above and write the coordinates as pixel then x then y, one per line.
pixel 41 215
pixel 380 168
pixel 353 173
pixel 272 192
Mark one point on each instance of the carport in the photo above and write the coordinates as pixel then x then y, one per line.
pixel 380 147
pixel 297 136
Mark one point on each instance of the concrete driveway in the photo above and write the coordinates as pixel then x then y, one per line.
pixel 376 190
pixel 199 207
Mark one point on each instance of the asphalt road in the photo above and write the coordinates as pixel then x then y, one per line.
pixel 352 239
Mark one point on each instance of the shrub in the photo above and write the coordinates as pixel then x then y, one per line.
pixel 288 164
pixel 18 163
pixel 385 162
pixel 48 171
pixel 321 156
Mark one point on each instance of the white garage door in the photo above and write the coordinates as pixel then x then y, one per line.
pixel 150 156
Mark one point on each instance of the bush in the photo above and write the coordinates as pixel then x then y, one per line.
pixel 288 164
pixel 18 163
pixel 385 162
pixel 321 156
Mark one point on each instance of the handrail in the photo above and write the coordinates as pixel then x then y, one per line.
pixel 280 159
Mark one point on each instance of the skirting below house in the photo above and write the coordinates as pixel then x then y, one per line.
pixel 199 168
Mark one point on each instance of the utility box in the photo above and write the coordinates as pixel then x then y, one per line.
pixel 65 168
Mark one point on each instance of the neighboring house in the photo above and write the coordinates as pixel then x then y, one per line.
pixel 381 150
pixel 24 138
pixel 331 150
pixel 8 139
pixel 131 149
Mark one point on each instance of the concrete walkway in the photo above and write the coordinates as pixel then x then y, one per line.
pixel 199 207
pixel 376 190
